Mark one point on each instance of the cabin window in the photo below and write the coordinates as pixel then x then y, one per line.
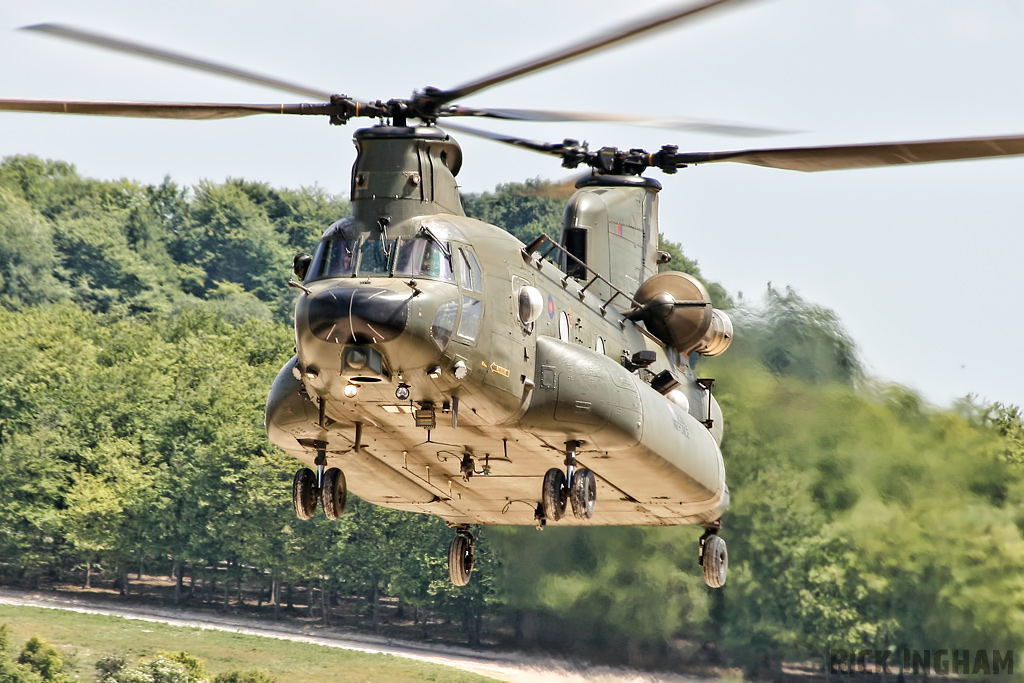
pixel 422 257
pixel 469 271
pixel 472 312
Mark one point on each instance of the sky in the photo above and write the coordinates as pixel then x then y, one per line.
pixel 920 263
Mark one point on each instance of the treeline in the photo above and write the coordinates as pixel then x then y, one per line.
pixel 142 326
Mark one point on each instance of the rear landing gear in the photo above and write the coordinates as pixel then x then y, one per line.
pixel 583 493
pixel 578 487
pixel 713 557
pixel 553 495
pixel 460 556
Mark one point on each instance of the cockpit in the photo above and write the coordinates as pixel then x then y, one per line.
pixel 426 255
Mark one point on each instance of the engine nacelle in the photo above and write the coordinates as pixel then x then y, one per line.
pixel 676 308
pixel 718 337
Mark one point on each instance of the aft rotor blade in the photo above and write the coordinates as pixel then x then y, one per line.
pixel 839 157
pixel 163 110
pixel 161 55
pixel 698 125
pixel 599 42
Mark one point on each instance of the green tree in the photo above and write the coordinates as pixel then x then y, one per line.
pixel 231 239
pixel 41 658
pixel 28 258
pixel 793 337
pixel 524 209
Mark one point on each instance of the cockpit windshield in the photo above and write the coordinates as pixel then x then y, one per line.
pixel 334 258
pixel 375 258
pixel 410 257
pixel 422 257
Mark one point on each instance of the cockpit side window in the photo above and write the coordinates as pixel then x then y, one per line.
pixel 469 271
pixel 421 257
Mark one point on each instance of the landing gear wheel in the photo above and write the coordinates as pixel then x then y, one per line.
pixel 554 495
pixel 304 493
pixel 583 493
pixel 715 560
pixel 460 559
pixel 334 493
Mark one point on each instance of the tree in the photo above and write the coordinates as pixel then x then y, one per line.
pixel 28 258
pixel 524 209
pixel 40 657
pixel 793 337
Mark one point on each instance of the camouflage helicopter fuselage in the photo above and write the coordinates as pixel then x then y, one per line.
pixel 445 367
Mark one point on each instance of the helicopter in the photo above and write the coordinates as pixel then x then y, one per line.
pixel 444 367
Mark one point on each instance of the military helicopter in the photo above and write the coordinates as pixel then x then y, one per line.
pixel 444 367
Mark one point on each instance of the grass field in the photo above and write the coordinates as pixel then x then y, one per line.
pixel 87 637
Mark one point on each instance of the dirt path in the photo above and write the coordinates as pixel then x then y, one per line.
pixel 505 666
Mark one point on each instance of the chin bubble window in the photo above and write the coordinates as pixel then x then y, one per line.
pixel 472 312
pixel 444 323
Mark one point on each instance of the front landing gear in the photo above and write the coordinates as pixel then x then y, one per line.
pixel 305 493
pixel 461 557
pixel 578 487
pixel 325 485
pixel 713 556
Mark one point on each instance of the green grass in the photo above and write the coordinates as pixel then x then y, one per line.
pixel 88 637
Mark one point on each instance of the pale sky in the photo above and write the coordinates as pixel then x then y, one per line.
pixel 920 263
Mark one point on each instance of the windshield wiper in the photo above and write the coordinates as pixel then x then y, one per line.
pixel 425 230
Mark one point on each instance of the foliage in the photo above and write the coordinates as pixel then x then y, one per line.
pixel 38 661
pixel 792 337
pixel 140 327
pixel 251 676
pixel 166 667
pixel 526 210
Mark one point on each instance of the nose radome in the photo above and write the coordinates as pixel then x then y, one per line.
pixel 353 315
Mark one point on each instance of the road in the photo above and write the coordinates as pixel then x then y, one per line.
pixel 505 666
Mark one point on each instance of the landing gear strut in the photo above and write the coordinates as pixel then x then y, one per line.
pixel 460 556
pixel 712 556
pixel 325 485
pixel 579 487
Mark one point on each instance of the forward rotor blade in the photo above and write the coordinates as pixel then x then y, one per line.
pixel 160 55
pixel 841 157
pixel 163 110
pixel 594 44
pixel 553 148
pixel 698 125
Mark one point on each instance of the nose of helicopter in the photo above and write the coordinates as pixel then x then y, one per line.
pixel 357 315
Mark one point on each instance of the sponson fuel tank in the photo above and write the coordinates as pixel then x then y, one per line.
pixel 647 445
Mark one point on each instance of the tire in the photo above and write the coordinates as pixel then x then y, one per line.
pixel 304 493
pixel 460 560
pixel 554 495
pixel 334 494
pixel 583 493
pixel 715 561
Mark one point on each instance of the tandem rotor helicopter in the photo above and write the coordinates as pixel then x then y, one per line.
pixel 444 367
